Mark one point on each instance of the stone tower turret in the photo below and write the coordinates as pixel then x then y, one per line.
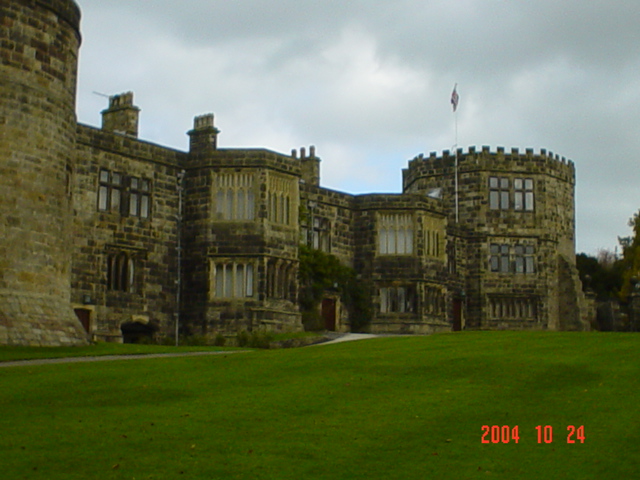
pixel 38 68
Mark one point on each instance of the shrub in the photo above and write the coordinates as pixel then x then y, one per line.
pixel 242 338
pixel 260 339
pixel 220 340
pixel 194 341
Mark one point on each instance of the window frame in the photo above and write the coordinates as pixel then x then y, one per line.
pixel 121 272
pixel 396 234
pixel 234 197
pixel 232 280
pixel 523 196
pixel 397 299
pixel 128 195
pixel 499 193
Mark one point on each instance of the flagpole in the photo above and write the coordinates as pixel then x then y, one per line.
pixel 456 149
pixel 454 101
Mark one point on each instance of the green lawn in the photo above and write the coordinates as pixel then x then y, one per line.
pixel 389 408
pixel 31 353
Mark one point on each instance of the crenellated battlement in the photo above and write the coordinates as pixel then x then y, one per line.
pixel 500 152
pixel 485 158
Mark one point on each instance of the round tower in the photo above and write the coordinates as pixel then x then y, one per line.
pixel 38 68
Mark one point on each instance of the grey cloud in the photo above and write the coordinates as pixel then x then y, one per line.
pixel 370 81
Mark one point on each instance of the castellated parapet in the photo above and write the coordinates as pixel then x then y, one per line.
pixel 38 55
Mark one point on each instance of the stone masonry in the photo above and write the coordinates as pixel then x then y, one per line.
pixel 140 240
pixel 38 64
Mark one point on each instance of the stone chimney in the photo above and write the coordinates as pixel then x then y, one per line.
pixel 310 166
pixel 122 115
pixel 204 135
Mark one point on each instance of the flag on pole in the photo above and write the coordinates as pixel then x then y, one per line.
pixel 455 98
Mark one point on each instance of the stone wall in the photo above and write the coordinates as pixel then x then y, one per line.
pixel 136 237
pixel 108 234
pixel 496 209
pixel 417 276
pixel 38 64
pixel 241 241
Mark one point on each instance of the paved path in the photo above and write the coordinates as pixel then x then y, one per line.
pixel 347 337
pixel 107 358
pixel 339 337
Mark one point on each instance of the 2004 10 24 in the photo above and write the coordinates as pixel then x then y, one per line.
pixel 508 434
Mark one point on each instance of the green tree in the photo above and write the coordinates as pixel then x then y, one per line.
pixel 630 257
pixel 320 272
pixel 600 275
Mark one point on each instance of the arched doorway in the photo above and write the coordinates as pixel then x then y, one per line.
pixel 137 332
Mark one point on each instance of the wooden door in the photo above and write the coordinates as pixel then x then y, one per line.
pixel 329 314
pixel 84 316
pixel 457 314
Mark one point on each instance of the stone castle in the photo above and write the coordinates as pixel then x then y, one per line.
pixel 105 236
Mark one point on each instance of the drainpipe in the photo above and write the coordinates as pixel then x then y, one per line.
pixel 180 185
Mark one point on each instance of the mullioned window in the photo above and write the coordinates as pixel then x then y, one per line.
pixel 395 234
pixel 501 193
pixel 124 194
pixel 397 299
pixel 504 259
pixel 232 279
pixel 235 197
pixel 121 272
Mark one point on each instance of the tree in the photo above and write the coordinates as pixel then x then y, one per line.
pixel 630 257
pixel 320 272
pixel 602 274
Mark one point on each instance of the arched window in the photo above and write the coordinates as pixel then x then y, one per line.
pixel 121 272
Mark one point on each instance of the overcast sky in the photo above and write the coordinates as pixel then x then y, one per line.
pixel 368 82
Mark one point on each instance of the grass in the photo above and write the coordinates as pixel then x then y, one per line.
pixel 99 349
pixel 387 408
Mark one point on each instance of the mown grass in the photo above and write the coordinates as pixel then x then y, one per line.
pixel 388 408
pixel 99 349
